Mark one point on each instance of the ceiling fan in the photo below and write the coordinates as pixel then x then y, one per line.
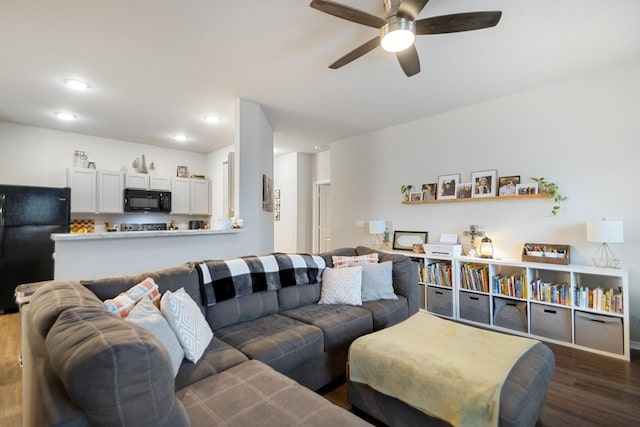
pixel 399 28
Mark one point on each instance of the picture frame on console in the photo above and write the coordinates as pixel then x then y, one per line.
pixel 404 240
pixel 182 172
pixel 447 186
pixel 484 183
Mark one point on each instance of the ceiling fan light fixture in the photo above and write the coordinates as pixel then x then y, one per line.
pixel 397 35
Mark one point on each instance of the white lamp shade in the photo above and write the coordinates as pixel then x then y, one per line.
pixel 377 226
pixel 605 231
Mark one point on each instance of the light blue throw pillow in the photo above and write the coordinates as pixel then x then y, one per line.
pixel 377 281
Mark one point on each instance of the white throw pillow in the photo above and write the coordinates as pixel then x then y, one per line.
pixel 341 286
pixel 377 281
pixel 147 315
pixel 186 320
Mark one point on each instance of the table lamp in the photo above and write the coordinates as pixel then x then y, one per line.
pixel 486 248
pixel 605 231
pixel 377 227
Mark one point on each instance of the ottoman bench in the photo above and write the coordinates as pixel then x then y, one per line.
pixel 431 371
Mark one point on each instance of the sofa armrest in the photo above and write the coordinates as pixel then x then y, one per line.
pixel 405 276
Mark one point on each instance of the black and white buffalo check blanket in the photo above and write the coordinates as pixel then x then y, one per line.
pixel 225 279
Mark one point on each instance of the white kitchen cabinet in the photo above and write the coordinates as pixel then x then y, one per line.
pixel 138 181
pixel 199 197
pixel 180 199
pixel 159 183
pixel 110 192
pixel 83 186
pixel 190 196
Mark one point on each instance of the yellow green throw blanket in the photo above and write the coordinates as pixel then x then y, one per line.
pixel 447 370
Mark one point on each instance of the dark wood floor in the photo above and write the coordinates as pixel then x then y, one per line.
pixel 586 389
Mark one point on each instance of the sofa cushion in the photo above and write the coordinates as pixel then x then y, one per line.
pixel 348 261
pixel 226 279
pixel 340 324
pixel 186 320
pixel 328 256
pixel 242 309
pixel 279 341
pixel 168 279
pixel 254 394
pixel 218 356
pixel 341 286
pixel 298 296
pixel 52 298
pixel 116 372
pixel 147 315
pixel 387 312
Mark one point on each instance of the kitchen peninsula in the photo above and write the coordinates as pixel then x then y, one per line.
pixel 93 255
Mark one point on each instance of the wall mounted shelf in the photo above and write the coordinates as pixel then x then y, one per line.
pixel 478 199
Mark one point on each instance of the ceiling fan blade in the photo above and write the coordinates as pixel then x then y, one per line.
pixel 410 9
pixel 356 53
pixel 457 22
pixel 348 13
pixel 409 60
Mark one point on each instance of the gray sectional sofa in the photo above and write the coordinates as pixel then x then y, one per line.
pixel 84 366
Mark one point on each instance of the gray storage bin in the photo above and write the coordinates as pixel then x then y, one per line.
pixel 551 322
pixel 600 332
pixel 474 307
pixel 510 314
pixel 439 301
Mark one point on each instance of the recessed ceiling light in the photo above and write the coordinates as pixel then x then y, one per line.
pixel 180 137
pixel 212 119
pixel 64 115
pixel 76 84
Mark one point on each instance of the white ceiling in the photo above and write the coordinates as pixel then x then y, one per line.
pixel 156 67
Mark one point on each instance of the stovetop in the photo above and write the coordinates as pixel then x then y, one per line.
pixel 143 227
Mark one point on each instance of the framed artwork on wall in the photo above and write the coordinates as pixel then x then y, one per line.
pixel 429 191
pixel 484 183
pixel 507 185
pixel 182 172
pixel 447 186
pixel 267 193
pixel 463 190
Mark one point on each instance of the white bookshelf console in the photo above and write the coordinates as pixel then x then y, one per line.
pixel 573 305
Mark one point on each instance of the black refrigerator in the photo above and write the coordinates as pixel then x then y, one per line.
pixel 28 216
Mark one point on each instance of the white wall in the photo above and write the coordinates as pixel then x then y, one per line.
pixel 216 171
pixel 293 177
pixel 581 133
pixel 254 157
pixel 37 156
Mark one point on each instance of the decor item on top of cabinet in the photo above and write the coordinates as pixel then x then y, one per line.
pixel 547 253
pixel 507 185
pixel 552 189
pixel 473 232
pixel 267 193
pixel 80 159
pixel 484 183
pixel 429 191
pixel 404 240
pixel 447 186
pixel 140 166
pixel 486 248
pixel 182 172
pixel 406 191
pixel 605 231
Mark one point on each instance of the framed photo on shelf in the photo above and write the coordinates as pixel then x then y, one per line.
pixel 404 240
pixel 463 190
pixel 182 172
pixel 484 183
pixel 415 196
pixel 527 188
pixel 447 186
pixel 507 185
pixel 429 191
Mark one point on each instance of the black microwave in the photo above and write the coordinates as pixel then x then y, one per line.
pixel 147 201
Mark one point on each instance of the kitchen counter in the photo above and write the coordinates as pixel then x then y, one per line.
pixel 139 234
pixel 93 255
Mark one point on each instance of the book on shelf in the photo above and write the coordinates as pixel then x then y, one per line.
pixel 439 273
pixel 475 277
pixel 513 285
pixel 608 301
pixel 554 293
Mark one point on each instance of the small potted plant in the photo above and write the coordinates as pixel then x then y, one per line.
pixel 552 189
pixel 406 190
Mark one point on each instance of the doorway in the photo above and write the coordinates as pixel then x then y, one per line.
pixel 322 217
